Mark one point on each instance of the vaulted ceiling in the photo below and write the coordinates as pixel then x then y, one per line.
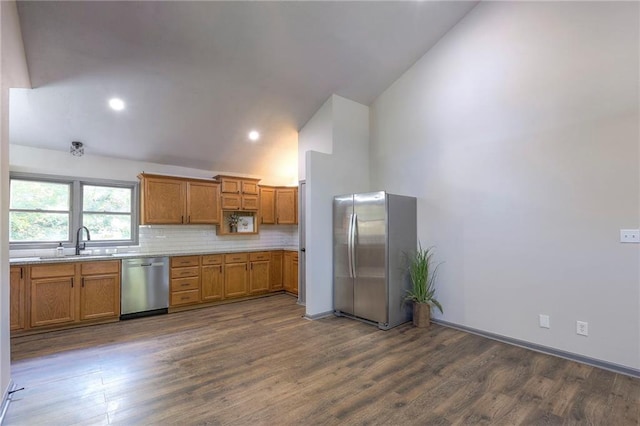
pixel 197 76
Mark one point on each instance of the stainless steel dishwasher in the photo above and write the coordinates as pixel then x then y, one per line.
pixel 144 287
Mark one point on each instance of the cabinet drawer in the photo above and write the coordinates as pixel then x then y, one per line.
pixel 185 297
pixel 212 259
pixel 95 268
pixel 236 258
pixel 185 261
pixel 181 284
pixel 261 255
pixel 49 271
pixel 191 271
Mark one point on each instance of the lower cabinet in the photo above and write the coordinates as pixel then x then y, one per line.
pixel 99 290
pixel 275 271
pixel 236 275
pixel 53 294
pixel 16 298
pixel 184 286
pixel 259 272
pixel 212 277
pixel 71 292
pixel 290 272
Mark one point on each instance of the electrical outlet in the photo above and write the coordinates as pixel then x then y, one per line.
pixel 630 235
pixel 582 328
pixel 544 321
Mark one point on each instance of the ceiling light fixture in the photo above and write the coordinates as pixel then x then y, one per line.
pixel 77 149
pixel 116 104
pixel 254 135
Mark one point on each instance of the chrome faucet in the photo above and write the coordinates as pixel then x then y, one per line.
pixel 78 235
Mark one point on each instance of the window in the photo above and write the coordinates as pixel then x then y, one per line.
pixel 39 211
pixel 44 211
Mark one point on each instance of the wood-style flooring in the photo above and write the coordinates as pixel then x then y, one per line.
pixel 259 362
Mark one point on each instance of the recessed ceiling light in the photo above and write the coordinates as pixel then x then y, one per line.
pixel 254 135
pixel 116 104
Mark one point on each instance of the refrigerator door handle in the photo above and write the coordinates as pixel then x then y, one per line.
pixel 349 244
pixel 354 234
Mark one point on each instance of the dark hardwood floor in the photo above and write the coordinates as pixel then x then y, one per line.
pixel 260 363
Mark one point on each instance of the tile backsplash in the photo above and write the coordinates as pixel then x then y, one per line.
pixel 192 239
pixel 197 238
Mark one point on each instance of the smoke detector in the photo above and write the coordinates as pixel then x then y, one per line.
pixel 77 149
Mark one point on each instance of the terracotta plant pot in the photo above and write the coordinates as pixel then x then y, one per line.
pixel 421 315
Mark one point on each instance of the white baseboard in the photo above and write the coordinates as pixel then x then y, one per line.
pixel 6 400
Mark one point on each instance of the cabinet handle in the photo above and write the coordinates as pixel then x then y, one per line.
pixel 181 219
pixel 72 282
pixel 245 266
pixel 220 268
pixel 82 281
pixel 189 219
pixel 252 266
pixel 21 273
pixel 277 220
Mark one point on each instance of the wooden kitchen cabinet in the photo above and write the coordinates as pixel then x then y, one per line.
pixel 236 275
pixel 17 298
pixel 275 271
pixel 202 202
pixel 173 201
pixel 212 278
pixel 267 205
pixel 100 290
pixel 184 284
pixel 286 206
pixel 238 193
pixel 290 272
pixel 53 294
pixel 278 205
pixel 259 275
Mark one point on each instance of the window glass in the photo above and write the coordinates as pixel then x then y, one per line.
pixel 106 199
pixel 39 211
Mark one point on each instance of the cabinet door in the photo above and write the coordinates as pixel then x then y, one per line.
pixel 16 298
pixel 163 201
pixel 231 202
pixel 275 271
pixel 230 185
pixel 287 278
pixel 286 202
pixel 52 301
pixel 212 283
pixel 294 274
pixel 250 202
pixel 100 297
pixel 235 280
pixel 249 187
pixel 259 277
pixel 267 205
pixel 203 203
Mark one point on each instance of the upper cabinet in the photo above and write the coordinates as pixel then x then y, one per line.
pixel 278 205
pixel 171 200
pixel 238 193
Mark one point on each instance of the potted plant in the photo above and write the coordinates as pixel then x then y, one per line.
pixel 233 220
pixel 423 274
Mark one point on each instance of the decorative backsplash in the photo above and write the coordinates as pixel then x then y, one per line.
pixel 191 239
pixel 195 238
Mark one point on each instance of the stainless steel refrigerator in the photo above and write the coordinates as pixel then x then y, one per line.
pixel 373 233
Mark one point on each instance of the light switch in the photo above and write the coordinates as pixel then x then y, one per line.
pixel 544 321
pixel 630 235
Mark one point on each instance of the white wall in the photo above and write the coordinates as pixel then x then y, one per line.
pixel 519 134
pixel 343 126
pixel 13 73
pixel 46 161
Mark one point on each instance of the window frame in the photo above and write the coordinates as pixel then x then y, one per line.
pixel 76 210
